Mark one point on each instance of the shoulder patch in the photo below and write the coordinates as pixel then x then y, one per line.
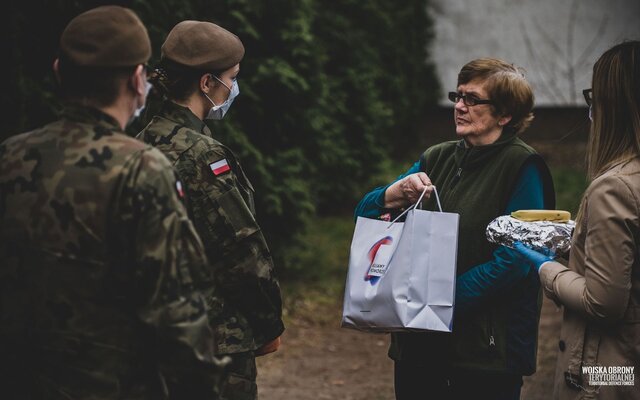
pixel 219 167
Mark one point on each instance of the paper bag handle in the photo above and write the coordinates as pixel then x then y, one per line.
pixel 435 191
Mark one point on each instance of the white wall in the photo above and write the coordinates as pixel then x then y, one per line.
pixel 556 41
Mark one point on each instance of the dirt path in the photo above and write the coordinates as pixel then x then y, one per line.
pixel 319 360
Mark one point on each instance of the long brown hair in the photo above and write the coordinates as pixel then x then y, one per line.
pixel 615 130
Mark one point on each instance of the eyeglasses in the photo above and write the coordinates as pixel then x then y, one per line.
pixel 588 96
pixel 467 99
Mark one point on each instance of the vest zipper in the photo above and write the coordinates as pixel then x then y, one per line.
pixel 492 339
pixel 456 178
pixel 458 174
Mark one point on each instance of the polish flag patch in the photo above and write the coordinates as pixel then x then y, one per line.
pixel 219 167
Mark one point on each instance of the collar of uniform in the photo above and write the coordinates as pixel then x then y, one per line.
pixel 183 116
pixel 75 112
pixel 476 155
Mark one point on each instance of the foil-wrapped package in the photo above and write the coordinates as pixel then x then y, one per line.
pixel 540 235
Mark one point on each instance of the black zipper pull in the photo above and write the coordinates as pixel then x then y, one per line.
pixel 492 339
pixel 458 174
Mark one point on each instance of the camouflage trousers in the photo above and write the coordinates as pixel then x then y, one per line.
pixel 241 381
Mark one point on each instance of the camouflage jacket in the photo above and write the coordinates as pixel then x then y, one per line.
pixel 100 269
pixel 221 206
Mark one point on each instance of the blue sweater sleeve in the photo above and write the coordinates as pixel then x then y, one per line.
pixel 486 279
pixel 372 204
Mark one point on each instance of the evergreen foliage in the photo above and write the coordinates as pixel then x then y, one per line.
pixel 328 91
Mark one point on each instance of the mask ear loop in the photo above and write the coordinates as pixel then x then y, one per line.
pixel 215 106
pixel 209 98
pixel 435 191
pixel 223 84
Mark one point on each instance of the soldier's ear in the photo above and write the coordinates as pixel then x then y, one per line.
pixel 56 69
pixel 137 80
pixel 204 83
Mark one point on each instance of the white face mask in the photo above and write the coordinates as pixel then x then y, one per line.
pixel 591 113
pixel 138 111
pixel 218 111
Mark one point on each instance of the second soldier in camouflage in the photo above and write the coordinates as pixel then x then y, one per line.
pixel 200 62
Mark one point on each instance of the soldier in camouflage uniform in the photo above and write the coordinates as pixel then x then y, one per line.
pixel 101 268
pixel 200 62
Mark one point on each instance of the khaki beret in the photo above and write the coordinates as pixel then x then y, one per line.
pixel 107 36
pixel 202 45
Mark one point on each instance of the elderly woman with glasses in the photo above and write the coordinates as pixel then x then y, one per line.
pixel 489 171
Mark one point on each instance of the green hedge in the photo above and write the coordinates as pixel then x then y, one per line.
pixel 329 89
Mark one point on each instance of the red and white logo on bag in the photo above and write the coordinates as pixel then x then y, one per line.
pixel 379 256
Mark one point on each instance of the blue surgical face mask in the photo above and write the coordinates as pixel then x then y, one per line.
pixel 218 111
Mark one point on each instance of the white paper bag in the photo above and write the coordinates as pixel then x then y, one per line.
pixel 402 275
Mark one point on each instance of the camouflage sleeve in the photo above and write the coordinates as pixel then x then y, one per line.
pixel 228 227
pixel 167 269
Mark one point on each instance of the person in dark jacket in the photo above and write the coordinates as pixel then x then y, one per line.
pixel 488 172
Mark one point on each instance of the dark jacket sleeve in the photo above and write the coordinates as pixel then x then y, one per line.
pixel 167 271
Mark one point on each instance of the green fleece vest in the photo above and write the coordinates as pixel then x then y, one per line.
pixel 477 183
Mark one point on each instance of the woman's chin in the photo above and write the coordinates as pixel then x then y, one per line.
pixel 461 132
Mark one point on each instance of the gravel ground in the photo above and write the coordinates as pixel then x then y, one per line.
pixel 319 360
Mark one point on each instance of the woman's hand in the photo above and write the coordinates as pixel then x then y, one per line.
pixel 535 258
pixel 407 190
